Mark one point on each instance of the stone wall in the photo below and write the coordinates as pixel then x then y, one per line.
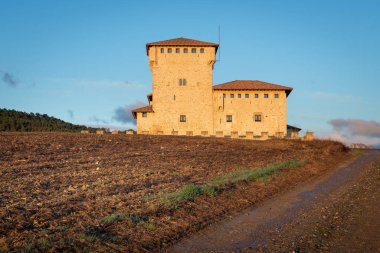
pixel 243 110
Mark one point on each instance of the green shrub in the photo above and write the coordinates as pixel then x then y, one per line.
pixel 188 192
pixel 40 246
pixel 136 219
pixel 209 190
pixel 149 226
pixel 109 219
pixel 192 191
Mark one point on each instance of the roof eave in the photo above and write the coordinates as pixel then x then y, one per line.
pixel 134 113
pixel 147 108
pixel 150 97
pixel 287 91
pixel 293 127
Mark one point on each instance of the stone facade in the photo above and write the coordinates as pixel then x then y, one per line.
pixel 245 109
pixel 184 101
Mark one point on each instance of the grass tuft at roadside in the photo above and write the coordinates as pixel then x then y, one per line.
pixel 191 191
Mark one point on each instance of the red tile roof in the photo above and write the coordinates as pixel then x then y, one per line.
pixel 147 108
pixel 182 42
pixel 251 85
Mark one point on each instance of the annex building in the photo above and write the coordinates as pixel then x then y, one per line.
pixel 184 100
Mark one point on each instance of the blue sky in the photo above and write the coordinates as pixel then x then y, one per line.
pixel 82 60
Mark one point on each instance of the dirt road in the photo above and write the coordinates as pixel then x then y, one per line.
pixel 339 212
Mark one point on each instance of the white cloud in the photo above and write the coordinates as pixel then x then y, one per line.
pixel 348 140
pixel 98 83
pixel 351 131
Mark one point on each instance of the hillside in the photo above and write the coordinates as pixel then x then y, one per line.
pixel 139 193
pixel 12 120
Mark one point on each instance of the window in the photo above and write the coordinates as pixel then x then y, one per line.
pixel 185 50
pixel 144 114
pixel 202 50
pixel 239 95
pixel 162 50
pixel 232 96
pixel 177 50
pixel 257 117
pixel 182 82
pixel 229 118
pixel 169 50
pixel 193 50
pixel 224 95
pixel 275 95
pixel 266 96
pixel 182 118
pixel 256 95
pixel 246 95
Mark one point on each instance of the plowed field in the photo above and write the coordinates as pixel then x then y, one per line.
pixel 86 192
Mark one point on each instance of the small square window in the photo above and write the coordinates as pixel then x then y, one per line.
pixel 177 50
pixel 182 118
pixel 232 95
pixel 162 50
pixel 266 96
pixel 257 118
pixel 193 50
pixel 275 95
pixel 185 50
pixel 246 95
pixel 202 50
pixel 239 95
pixel 144 114
pixel 169 50
pixel 224 95
pixel 256 95
pixel 182 82
pixel 229 118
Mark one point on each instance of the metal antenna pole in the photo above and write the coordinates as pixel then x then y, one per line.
pixel 219 40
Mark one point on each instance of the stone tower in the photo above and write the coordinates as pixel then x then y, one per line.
pixel 182 77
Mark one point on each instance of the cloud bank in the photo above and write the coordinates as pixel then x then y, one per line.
pixel 357 127
pixel 123 113
pixel 355 131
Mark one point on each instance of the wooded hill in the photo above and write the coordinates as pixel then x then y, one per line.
pixel 12 120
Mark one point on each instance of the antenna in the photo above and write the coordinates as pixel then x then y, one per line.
pixel 219 41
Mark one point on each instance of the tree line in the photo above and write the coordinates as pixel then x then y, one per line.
pixel 12 120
